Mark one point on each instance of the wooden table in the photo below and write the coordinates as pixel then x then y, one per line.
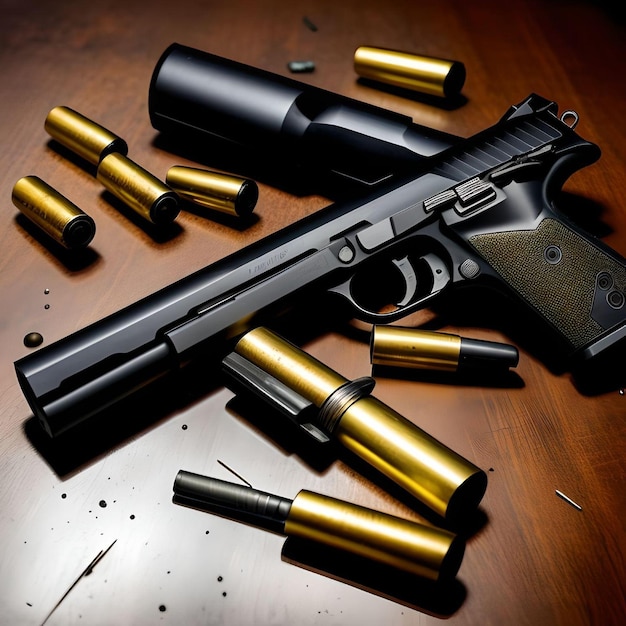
pixel 531 557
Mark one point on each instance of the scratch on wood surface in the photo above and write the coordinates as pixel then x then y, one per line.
pixel 88 570
pixel 568 500
pixel 232 471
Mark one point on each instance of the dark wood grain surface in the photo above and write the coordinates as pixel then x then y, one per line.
pixel 531 557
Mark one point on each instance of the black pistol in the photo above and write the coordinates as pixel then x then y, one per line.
pixel 441 213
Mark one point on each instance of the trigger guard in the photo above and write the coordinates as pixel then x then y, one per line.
pixel 440 277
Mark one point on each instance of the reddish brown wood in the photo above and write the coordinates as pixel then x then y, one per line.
pixel 532 558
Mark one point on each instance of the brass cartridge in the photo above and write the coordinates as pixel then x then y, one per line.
pixel 53 213
pixel 220 192
pixel 419 349
pixel 396 346
pixel 426 551
pixel 426 468
pixel 141 191
pixel 429 75
pixel 81 135
pixel 413 547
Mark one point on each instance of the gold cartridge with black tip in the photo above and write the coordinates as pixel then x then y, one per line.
pixel 428 75
pixel 53 213
pixel 397 346
pixel 345 411
pixel 426 551
pixel 212 190
pixel 145 194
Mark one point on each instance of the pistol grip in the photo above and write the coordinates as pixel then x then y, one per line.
pixel 576 285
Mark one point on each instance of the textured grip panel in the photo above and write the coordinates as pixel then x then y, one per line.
pixel 555 270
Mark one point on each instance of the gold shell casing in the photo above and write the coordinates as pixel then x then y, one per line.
pixel 141 191
pixel 220 192
pixel 428 75
pixel 396 346
pixel 78 133
pixel 53 213
pixel 426 468
pixel 416 548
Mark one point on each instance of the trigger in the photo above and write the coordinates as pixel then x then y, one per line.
pixel 410 280
pixel 438 270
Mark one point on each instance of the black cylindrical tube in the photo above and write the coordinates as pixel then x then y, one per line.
pixel 207 96
pixel 219 495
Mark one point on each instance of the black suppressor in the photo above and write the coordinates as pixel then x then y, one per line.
pixel 199 95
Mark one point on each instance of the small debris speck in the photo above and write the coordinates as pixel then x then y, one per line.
pixel 162 608
pixel 103 503
pixel 301 67
pixel 309 24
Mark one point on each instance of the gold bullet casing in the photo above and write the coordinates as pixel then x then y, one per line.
pixel 53 213
pixel 428 75
pixel 436 475
pixel 426 468
pixel 414 348
pixel 81 135
pixel 141 191
pixel 295 368
pixel 416 548
pixel 220 192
